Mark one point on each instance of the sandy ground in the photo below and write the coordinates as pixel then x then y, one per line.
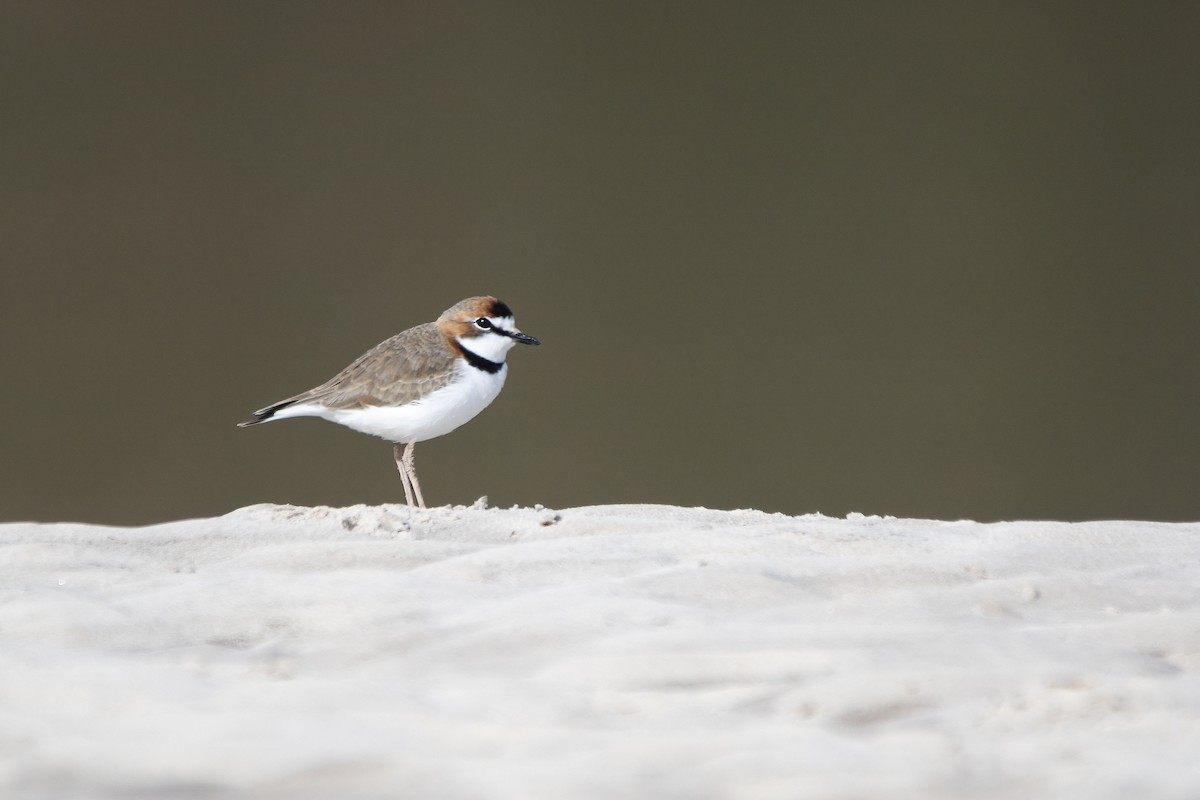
pixel 603 652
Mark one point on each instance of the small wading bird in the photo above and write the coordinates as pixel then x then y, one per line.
pixel 417 385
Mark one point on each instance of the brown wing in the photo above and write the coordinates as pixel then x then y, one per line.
pixel 400 370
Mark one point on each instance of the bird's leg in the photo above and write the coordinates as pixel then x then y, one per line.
pixel 412 472
pixel 398 452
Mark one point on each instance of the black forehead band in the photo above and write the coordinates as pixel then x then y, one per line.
pixel 499 309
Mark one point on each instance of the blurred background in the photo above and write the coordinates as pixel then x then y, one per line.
pixel 931 259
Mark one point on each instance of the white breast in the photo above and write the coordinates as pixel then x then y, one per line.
pixel 434 415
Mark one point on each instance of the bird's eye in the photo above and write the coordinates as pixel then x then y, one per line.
pixel 483 323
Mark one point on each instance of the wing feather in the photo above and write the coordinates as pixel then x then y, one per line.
pixel 394 372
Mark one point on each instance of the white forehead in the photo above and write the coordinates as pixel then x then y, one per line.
pixel 504 323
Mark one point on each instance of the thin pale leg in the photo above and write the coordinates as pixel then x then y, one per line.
pixel 412 472
pixel 398 452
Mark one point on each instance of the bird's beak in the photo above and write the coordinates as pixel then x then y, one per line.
pixel 525 338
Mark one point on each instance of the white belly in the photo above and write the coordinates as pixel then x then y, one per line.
pixel 434 415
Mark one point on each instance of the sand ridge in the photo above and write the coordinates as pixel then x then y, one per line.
pixel 632 651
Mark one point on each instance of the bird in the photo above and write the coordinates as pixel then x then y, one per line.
pixel 420 384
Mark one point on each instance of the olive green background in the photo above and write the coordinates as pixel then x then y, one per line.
pixel 920 259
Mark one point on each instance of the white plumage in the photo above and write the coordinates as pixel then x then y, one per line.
pixel 435 414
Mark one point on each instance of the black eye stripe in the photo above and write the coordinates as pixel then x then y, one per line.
pixel 485 324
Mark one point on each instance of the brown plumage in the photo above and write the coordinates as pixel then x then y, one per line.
pixel 394 372
pixel 399 370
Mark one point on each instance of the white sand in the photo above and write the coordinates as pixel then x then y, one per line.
pixel 605 652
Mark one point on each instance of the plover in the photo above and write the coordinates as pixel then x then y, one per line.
pixel 417 385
